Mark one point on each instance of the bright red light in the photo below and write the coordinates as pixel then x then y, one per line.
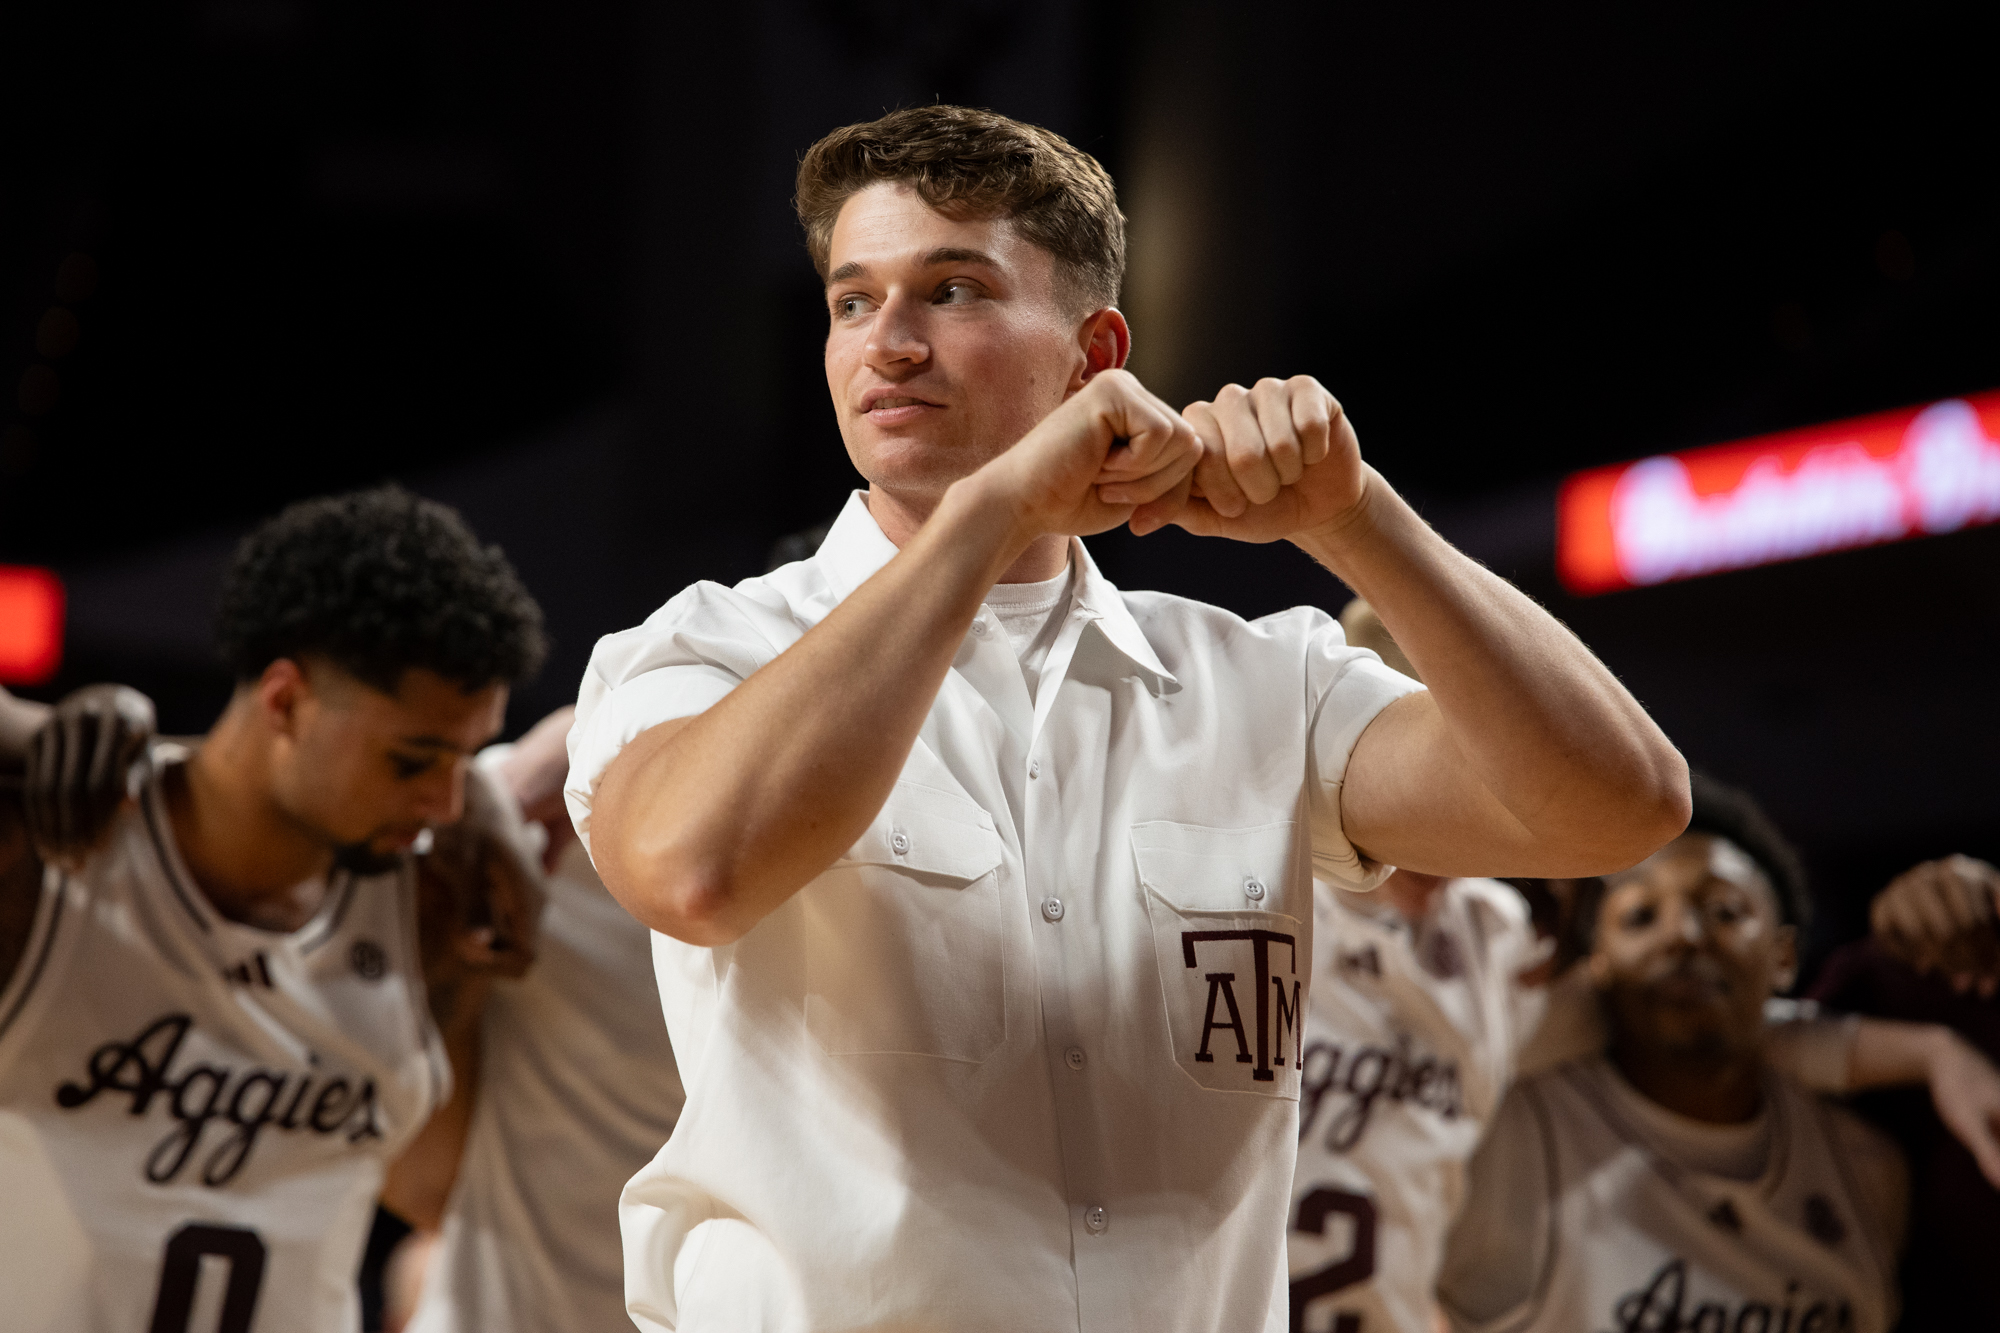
pixel 31 624
pixel 1881 478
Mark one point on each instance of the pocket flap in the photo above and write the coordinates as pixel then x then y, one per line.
pixel 935 833
pixel 1201 869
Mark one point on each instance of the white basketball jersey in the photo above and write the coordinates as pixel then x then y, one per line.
pixel 195 1115
pixel 1409 1042
pixel 577 1091
pixel 1636 1240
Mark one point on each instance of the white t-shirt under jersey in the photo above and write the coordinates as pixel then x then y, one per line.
pixel 1592 1208
pixel 195 1115
pixel 577 1091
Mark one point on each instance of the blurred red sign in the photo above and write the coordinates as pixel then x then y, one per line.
pixel 1881 478
pixel 31 624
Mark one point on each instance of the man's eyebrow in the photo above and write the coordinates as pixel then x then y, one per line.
pixel 944 254
pixel 431 743
pixel 948 254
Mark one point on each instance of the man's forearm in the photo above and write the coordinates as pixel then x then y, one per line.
pixel 1566 764
pixel 704 827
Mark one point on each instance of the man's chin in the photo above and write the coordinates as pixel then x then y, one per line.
pixel 365 858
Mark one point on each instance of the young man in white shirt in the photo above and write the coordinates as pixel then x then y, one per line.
pixel 984 966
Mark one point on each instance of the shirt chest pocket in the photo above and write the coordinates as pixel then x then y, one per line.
pixel 1230 911
pixel 903 949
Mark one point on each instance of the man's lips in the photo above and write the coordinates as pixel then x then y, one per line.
pixel 887 408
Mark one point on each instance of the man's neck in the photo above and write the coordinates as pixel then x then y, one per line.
pixel 899 517
pixel 1725 1090
pixel 249 859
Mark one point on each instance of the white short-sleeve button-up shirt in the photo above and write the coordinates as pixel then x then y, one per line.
pixel 1027 1056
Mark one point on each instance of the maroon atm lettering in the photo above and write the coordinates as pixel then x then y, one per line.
pixel 1222 987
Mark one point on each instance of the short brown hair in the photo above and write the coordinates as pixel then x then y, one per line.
pixel 967 163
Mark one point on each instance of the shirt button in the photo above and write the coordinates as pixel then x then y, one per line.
pixel 1096 1219
pixel 980 629
pixel 900 841
pixel 1052 909
pixel 1253 888
pixel 1073 1057
pixel 1034 768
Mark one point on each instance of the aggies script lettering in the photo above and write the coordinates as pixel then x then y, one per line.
pixel 257 1100
pixel 1662 1306
pixel 1366 1074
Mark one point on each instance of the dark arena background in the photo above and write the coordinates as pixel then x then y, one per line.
pixel 538 261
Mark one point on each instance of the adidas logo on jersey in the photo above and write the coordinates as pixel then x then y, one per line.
pixel 1662 1305
pixel 1364 1075
pixel 246 1102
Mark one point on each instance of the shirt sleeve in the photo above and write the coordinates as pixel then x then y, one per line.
pixel 682 661
pixel 1352 686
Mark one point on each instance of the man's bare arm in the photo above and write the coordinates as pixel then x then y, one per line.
pixel 1526 757
pixel 703 826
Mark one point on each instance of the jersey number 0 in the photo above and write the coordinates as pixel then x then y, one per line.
pixel 244 1250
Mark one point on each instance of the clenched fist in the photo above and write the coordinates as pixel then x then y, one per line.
pixel 1113 453
pixel 1278 459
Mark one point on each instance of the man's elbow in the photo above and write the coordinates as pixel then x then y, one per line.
pixel 1652 810
pixel 692 899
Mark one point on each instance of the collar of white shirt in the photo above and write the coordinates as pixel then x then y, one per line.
pixel 855 551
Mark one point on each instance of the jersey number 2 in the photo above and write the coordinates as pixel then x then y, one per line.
pixel 1358 1266
pixel 244 1250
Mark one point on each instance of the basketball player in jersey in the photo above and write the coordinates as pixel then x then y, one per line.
pixel 215 1034
pixel 1678 1182
pixel 1429 997
pixel 576 1090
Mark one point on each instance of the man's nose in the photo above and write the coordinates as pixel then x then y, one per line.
pixel 896 335
pixel 442 799
pixel 1689 926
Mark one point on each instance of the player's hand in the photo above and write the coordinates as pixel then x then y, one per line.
pixel 1965 1089
pixel 1113 453
pixel 1278 459
pixel 534 772
pixel 482 889
pixel 82 765
pixel 1941 917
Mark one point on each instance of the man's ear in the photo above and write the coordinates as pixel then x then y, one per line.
pixel 1106 340
pixel 1784 959
pixel 281 691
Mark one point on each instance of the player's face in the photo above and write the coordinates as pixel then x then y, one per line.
pixel 946 342
pixel 1689 943
pixel 368 771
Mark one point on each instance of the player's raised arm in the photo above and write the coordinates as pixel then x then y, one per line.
pixel 1526 756
pixel 704 825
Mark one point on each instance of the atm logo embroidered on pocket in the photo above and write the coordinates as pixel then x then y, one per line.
pixel 1220 957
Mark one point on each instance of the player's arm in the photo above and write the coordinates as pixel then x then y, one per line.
pixel 1525 757
pixel 1964 1086
pixel 704 825
pixel 479 903
pixel 62 778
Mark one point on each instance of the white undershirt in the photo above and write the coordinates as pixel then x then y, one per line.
pixel 1031 613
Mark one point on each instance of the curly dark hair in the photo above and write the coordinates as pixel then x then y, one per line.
pixel 377 582
pixel 967 163
pixel 1732 814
